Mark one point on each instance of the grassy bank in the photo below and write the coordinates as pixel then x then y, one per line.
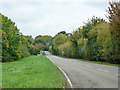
pixel 31 72
pixel 97 62
pixel 0 74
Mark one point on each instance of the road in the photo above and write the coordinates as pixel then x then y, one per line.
pixel 85 74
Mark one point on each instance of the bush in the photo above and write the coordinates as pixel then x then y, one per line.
pixel 58 40
pixel 14 45
pixel 24 51
pixel 66 48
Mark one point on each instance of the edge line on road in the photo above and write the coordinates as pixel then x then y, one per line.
pixel 66 77
pixel 103 70
pixel 117 74
pixel 64 74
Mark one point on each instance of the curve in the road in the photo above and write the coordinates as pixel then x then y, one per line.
pixel 85 74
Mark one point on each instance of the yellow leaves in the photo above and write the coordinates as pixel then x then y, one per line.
pixel 58 40
pixel 50 48
pixel 7 44
pixel 4 35
pixel 80 41
pixel 19 55
pixel 18 48
pixel 20 42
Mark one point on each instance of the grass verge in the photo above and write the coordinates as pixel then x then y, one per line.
pixel 0 75
pixel 31 72
pixel 96 62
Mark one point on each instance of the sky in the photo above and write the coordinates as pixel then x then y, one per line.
pixel 48 17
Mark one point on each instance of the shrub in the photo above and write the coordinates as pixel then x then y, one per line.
pixel 66 48
pixel 24 51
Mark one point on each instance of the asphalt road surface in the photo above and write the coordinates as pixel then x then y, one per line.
pixel 85 74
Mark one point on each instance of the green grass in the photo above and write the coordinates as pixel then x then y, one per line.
pixel 31 72
pixel 97 62
pixel 0 74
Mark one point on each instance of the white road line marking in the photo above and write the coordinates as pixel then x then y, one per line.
pixel 103 70
pixel 64 74
pixel 66 77
pixel 117 74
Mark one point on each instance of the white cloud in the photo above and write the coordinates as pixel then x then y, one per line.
pixel 60 1
pixel 51 17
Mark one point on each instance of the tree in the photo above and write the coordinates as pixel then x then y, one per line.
pixel 90 24
pixel 14 44
pixel 58 40
pixel 62 32
pixel 114 18
pixel 44 40
pixel 66 48
pixel 37 47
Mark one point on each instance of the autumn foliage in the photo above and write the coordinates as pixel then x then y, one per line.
pixel 96 40
pixel 14 45
pixel 114 18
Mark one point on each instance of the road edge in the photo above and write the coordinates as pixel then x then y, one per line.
pixel 65 75
pixel 67 78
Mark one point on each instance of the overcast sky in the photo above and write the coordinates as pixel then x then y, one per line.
pixel 48 17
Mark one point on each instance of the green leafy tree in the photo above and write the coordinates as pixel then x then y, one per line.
pixel 10 41
pixel 90 24
pixel 66 48
pixel 45 40
pixel 58 40
pixel 114 18
pixel 13 41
